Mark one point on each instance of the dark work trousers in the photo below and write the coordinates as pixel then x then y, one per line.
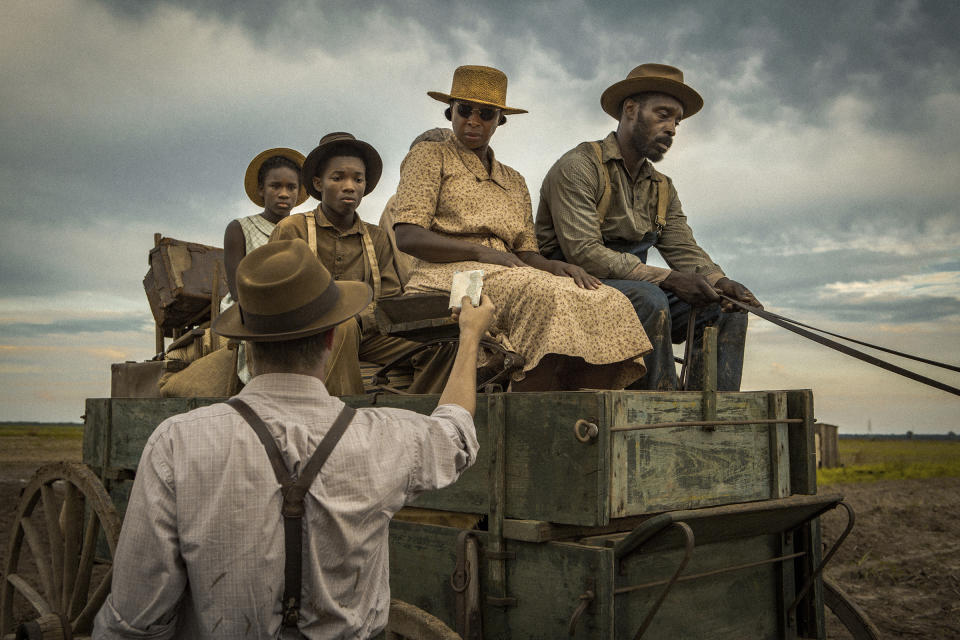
pixel 664 317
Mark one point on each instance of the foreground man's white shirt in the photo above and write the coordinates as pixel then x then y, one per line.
pixel 201 550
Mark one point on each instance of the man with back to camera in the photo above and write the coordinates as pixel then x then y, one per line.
pixel 205 552
pixel 603 206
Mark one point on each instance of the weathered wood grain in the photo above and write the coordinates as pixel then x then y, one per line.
pixel 803 454
pixel 684 467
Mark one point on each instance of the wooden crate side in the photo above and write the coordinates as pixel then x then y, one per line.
pixel 132 422
pixel 547 580
pixel 744 603
pixel 803 453
pixel 779 446
pixel 96 425
pixel 550 475
pixel 422 558
pixel 469 493
pixel 685 467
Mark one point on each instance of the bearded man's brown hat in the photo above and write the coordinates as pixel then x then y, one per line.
pixel 661 78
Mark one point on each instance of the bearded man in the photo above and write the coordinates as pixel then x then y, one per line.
pixel 603 206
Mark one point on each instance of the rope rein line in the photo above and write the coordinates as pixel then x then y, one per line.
pixel 794 326
pixel 942 365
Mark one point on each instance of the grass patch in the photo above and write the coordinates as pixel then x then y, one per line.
pixel 867 460
pixel 57 431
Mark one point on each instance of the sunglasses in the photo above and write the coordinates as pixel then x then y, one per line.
pixel 486 113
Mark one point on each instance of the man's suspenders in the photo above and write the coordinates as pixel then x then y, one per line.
pixel 293 490
pixel 663 190
pixel 372 266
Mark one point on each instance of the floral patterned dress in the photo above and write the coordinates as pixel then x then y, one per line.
pixel 445 188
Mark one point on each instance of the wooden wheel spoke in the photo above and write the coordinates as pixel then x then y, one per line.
pixel 54 538
pixel 39 552
pixel 77 514
pixel 71 518
pixel 84 621
pixel 32 595
pixel 78 598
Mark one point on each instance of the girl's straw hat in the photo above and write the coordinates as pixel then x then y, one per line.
pixel 253 169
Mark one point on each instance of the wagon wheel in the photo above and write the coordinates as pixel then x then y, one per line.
pixel 51 556
pixel 408 622
pixel 852 616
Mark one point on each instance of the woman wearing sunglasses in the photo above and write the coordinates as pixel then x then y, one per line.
pixel 458 208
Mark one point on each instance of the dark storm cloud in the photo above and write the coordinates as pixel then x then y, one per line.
pixel 803 55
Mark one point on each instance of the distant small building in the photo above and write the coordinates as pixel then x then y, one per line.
pixel 828 455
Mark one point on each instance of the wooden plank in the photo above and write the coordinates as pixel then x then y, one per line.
pixel 734 521
pixel 550 474
pixel 709 410
pixel 786 592
pixel 96 419
pixel 686 467
pixel 736 604
pixel 803 453
pixel 779 444
pixel 422 558
pixel 497 469
pixel 548 580
pixel 469 493
pixel 133 420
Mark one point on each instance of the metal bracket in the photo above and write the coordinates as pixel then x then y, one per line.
pixel 585 431
pixel 586 598
pixel 851 518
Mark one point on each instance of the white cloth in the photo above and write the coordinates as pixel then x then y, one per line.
pixel 256 233
pixel 201 550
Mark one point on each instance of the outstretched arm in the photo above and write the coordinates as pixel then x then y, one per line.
pixel 461 387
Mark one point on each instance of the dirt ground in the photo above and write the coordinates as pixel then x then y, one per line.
pixel 901 563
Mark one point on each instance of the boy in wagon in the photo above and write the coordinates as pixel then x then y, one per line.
pixel 339 172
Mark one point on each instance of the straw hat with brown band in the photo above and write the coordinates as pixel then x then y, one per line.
pixel 285 293
pixel 328 146
pixel 251 182
pixel 479 85
pixel 660 78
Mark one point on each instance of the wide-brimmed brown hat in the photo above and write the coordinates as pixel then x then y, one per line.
pixel 661 78
pixel 250 183
pixel 284 293
pixel 329 145
pixel 481 85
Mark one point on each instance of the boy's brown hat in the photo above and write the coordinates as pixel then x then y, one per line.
pixel 328 146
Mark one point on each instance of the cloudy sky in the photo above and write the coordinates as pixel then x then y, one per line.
pixel 823 172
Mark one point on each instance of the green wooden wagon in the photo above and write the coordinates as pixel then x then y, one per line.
pixel 602 514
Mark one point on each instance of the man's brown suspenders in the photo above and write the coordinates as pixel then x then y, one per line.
pixel 293 490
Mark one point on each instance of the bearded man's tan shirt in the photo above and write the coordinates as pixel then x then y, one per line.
pixel 567 218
